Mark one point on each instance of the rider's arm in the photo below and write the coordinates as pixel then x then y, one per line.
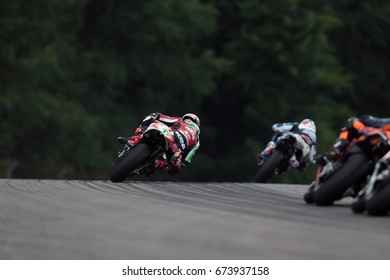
pixel 351 130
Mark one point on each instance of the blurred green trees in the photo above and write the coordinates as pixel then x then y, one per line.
pixel 77 74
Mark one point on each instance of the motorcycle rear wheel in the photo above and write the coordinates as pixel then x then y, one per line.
pixel 332 189
pixel 130 161
pixel 268 167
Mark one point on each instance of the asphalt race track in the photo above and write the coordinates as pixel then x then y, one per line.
pixel 53 219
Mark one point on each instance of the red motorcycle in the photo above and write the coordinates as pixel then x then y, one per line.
pixel 143 157
pixel 346 174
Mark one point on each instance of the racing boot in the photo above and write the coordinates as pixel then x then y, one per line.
pixel 268 150
pixel 134 139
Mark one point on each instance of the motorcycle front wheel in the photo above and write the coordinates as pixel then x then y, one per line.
pixel 268 167
pixel 379 204
pixel 134 158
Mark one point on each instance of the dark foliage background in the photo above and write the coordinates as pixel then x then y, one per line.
pixel 77 74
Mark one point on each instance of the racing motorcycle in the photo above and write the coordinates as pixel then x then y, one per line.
pixel 141 159
pixel 346 174
pixel 375 196
pixel 278 161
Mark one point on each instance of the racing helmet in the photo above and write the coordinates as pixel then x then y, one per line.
pixel 308 127
pixel 192 117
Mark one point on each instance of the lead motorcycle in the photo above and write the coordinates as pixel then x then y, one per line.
pixel 375 196
pixel 141 159
pixel 278 161
pixel 345 176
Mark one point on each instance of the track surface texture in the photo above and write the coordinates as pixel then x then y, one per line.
pixel 78 220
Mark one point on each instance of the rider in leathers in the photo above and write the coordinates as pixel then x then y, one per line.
pixel 305 136
pixel 353 128
pixel 186 140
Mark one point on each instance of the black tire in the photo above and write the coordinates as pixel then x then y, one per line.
pixel 268 167
pixel 332 189
pixel 130 161
pixel 309 197
pixel 359 206
pixel 379 204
